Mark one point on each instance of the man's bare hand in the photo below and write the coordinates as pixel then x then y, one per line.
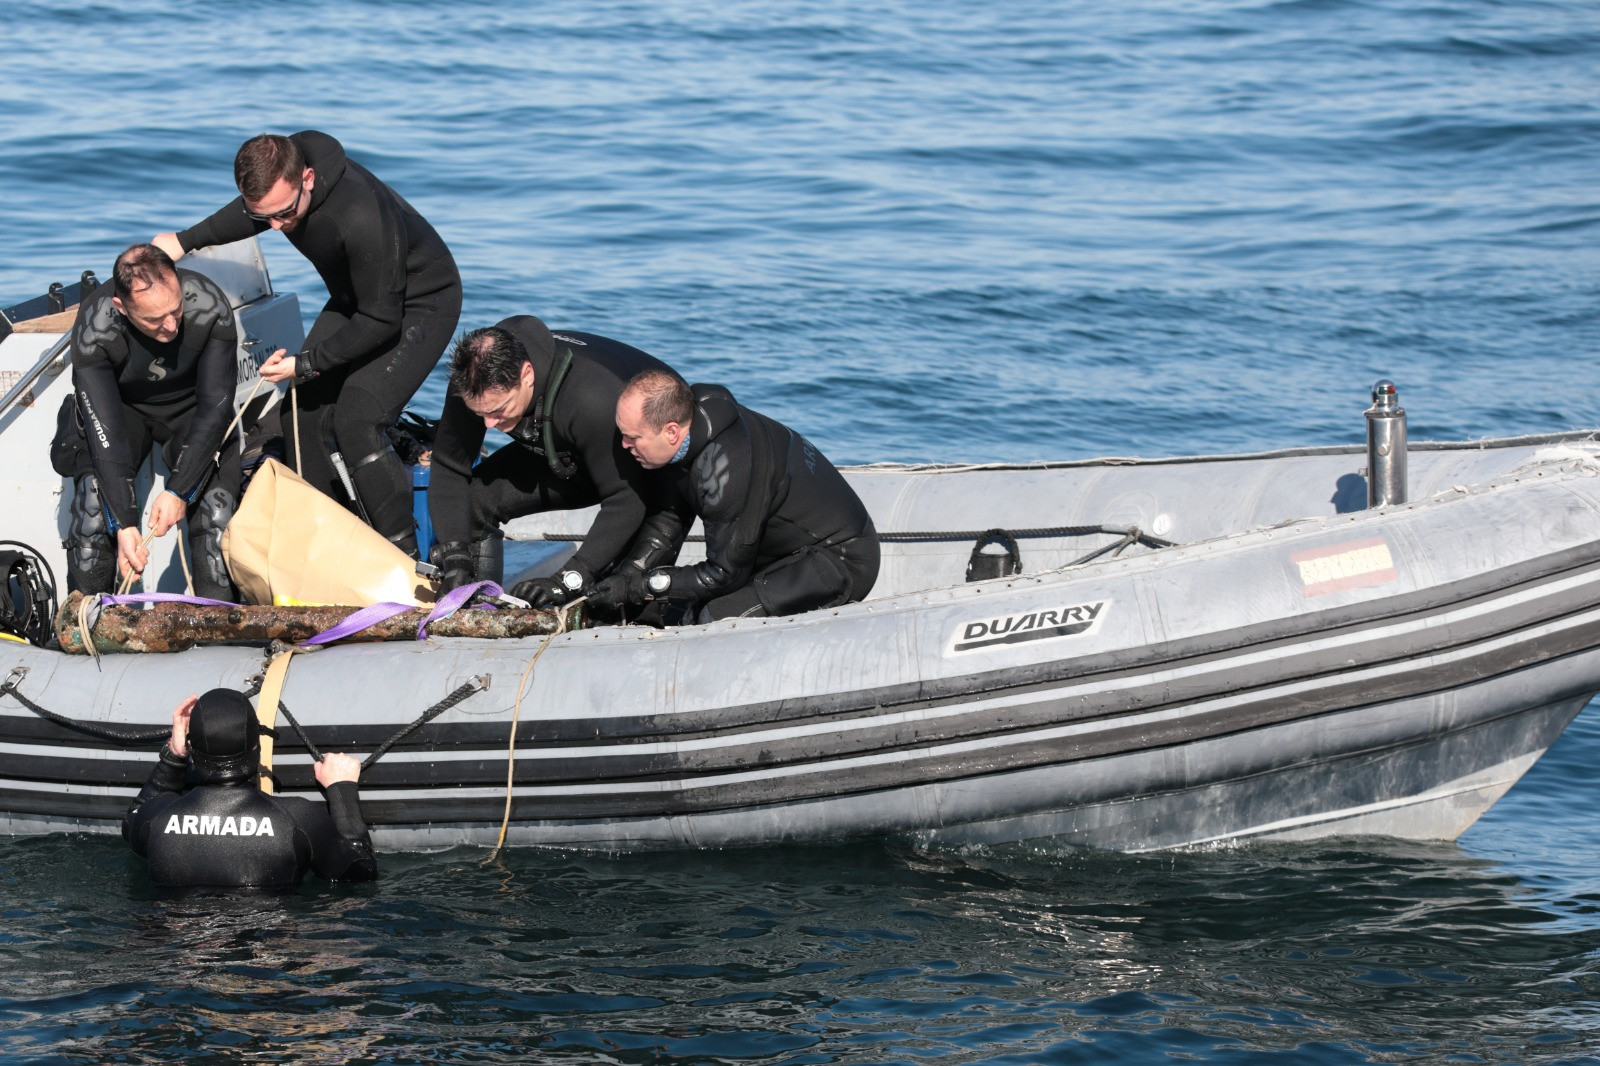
pixel 132 555
pixel 166 512
pixel 279 367
pixel 336 767
pixel 180 727
pixel 168 242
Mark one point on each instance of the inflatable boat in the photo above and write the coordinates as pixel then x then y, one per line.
pixel 1154 654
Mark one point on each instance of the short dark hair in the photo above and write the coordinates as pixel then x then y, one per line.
pixel 141 266
pixel 486 359
pixel 665 398
pixel 263 161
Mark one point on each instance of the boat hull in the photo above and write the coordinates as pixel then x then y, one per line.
pixel 1293 665
pixel 1390 672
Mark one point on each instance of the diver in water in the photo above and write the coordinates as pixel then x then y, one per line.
pixel 226 832
pixel 152 361
pixel 556 395
pixel 394 297
pixel 784 532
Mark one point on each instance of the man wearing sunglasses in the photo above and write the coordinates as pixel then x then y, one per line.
pixel 394 297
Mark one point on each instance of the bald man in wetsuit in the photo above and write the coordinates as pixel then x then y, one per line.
pixel 153 361
pixel 225 832
pixel 784 531
pixel 394 297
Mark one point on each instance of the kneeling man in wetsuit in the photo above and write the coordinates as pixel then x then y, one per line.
pixel 226 832
pixel 556 395
pixel 153 354
pixel 784 532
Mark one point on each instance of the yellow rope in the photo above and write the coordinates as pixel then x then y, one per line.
pixel 516 714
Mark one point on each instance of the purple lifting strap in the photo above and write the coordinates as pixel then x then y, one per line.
pixel 355 623
pixel 452 601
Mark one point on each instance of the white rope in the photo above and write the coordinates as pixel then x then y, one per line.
pixel 133 575
pixel 183 561
pixel 294 417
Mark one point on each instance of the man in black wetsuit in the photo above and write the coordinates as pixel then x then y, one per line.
pixel 784 532
pixel 394 297
pixel 153 354
pixel 556 395
pixel 226 832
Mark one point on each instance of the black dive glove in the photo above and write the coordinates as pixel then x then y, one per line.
pixel 454 561
pixel 555 590
pixel 631 588
pixel 623 589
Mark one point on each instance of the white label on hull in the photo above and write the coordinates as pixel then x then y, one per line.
pixel 1023 626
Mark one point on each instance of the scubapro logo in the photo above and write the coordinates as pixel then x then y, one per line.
pixel 1027 626
pixel 94 420
pixel 214 825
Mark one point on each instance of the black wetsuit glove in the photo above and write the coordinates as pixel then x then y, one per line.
pixel 454 561
pixel 623 589
pixel 555 590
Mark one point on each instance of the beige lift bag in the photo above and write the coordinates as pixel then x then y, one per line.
pixel 290 545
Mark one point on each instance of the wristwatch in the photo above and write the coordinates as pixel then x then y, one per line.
pixel 570 580
pixel 658 581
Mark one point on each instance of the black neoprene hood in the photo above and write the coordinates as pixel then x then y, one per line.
pixel 224 736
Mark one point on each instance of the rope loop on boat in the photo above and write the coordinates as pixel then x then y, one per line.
pixel 135 737
pixel 100 732
pixel 1130 536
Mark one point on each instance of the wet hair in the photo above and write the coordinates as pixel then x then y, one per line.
pixel 139 267
pixel 263 161
pixel 666 398
pixel 491 358
pixel 224 738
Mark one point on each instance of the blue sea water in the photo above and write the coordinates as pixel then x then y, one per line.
pixel 931 230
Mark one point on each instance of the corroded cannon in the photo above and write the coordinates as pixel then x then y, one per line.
pixel 175 626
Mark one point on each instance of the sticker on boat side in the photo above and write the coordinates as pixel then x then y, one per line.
pixel 980 633
pixel 1355 564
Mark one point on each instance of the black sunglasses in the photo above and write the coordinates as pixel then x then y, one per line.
pixel 287 213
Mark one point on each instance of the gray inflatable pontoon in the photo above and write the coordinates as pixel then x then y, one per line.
pixel 1294 665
